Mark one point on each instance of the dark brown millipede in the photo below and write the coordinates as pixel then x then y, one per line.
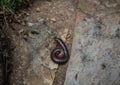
pixel 60 54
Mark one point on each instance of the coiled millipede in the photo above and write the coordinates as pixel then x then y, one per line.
pixel 60 54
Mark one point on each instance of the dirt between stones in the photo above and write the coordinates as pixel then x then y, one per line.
pixel 33 41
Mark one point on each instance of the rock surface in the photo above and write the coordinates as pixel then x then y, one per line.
pixel 95 58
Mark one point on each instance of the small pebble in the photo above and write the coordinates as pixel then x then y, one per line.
pixel 29 24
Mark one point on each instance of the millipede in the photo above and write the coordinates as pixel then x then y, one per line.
pixel 60 54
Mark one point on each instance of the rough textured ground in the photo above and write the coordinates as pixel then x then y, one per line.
pixel 33 39
pixel 95 50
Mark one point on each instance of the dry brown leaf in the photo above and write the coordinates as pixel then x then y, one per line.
pixel 65 33
pixel 68 37
pixel 52 20
pixel 21 30
pixel 38 9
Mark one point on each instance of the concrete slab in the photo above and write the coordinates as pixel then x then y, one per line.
pixel 95 58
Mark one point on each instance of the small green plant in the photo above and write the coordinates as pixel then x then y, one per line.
pixel 12 4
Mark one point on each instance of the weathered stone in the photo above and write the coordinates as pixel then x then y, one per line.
pixel 95 58
pixel 97 7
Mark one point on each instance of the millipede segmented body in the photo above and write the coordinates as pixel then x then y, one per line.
pixel 60 53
